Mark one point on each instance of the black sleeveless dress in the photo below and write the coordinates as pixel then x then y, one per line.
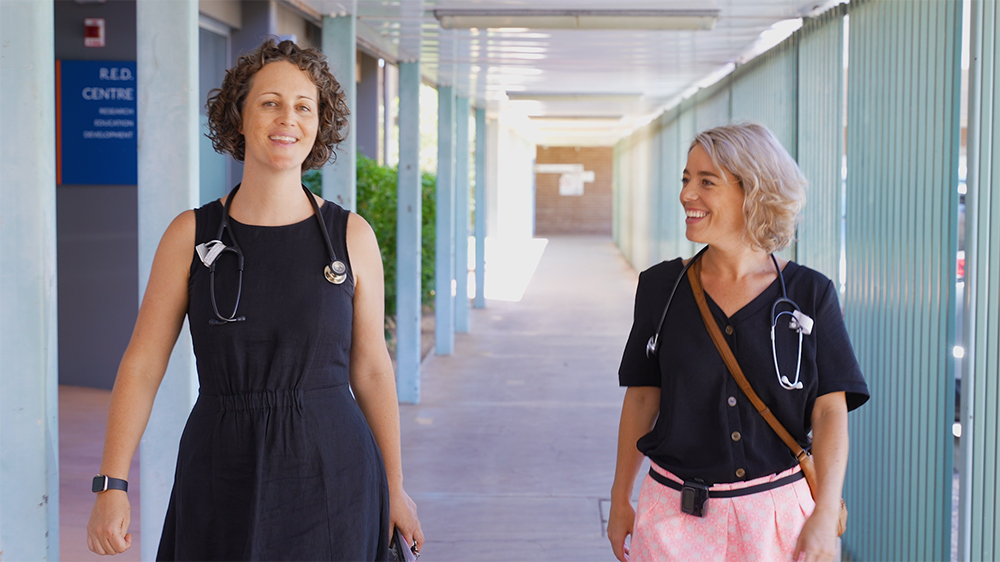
pixel 277 461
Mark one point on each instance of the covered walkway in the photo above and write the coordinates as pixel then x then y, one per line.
pixel 512 448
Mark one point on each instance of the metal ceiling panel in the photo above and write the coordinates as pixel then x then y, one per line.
pixel 648 70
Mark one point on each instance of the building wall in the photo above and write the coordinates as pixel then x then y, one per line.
pixel 289 23
pixel 589 213
pixel 364 118
pixel 229 12
pixel 97 227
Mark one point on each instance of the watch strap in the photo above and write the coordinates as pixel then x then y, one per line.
pixel 104 483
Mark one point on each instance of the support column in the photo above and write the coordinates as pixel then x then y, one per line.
pixel 408 242
pixel 390 90
pixel 167 89
pixel 444 271
pixel 480 300
pixel 462 215
pixel 340 48
pixel 29 424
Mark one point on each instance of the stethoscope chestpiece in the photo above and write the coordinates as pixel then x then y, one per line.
pixel 336 272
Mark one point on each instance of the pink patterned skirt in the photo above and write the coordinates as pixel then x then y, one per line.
pixel 760 526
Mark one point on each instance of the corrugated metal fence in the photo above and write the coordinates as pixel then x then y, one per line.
pixel 820 139
pixel 902 154
pixel 980 520
pixel 765 90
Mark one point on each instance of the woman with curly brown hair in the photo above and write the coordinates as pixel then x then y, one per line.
pixel 292 448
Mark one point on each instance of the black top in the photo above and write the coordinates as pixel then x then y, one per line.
pixel 706 427
pixel 276 461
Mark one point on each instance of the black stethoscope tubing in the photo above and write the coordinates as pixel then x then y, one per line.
pixel 653 345
pixel 220 320
pixel 335 272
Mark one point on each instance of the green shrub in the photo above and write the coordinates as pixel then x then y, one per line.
pixel 377 204
pixel 428 232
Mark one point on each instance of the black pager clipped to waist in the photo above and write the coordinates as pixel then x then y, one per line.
pixel 694 498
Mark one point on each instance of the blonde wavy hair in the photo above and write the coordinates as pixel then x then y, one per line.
pixel 774 188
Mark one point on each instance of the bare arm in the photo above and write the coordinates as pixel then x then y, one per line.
pixel 830 447
pixel 139 374
pixel 639 411
pixel 372 378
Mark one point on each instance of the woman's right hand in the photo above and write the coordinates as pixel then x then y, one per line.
pixel 107 531
pixel 620 522
pixel 639 411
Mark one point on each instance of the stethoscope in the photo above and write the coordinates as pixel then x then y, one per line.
pixel 799 322
pixel 335 272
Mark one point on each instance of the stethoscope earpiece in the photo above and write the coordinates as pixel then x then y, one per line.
pixel 652 345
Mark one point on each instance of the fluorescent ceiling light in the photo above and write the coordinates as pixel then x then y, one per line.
pixel 575 97
pixel 575 117
pixel 451 18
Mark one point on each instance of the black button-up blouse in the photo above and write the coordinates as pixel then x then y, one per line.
pixel 707 428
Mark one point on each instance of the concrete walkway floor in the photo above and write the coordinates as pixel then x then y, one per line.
pixel 510 455
pixel 511 452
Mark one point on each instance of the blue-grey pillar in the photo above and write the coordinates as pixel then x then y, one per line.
pixel 29 424
pixel 444 257
pixel 408 242
pixel 462 215
pixel 340 47
pixel 390 90
pixel 167 89
pixel 480 300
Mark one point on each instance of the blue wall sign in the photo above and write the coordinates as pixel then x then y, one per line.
pixel 97 122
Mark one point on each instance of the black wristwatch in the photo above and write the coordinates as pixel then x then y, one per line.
pixel 104 483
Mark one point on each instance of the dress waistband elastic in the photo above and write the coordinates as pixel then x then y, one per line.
pixel 734 492
pixel 270 399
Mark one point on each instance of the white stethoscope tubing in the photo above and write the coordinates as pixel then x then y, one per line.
pixel 782 379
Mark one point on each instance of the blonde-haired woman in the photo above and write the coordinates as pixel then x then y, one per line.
pixel 742 194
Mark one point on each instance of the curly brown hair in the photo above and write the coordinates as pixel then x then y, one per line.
pixel 225 104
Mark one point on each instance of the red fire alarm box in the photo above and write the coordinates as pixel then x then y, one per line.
pixel 93 35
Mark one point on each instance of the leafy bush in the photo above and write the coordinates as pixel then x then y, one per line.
pixel 377 204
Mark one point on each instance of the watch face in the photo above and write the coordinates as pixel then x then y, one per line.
pixel 100 484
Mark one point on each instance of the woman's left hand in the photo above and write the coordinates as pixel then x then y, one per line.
pixel 818 538
pixel 403 516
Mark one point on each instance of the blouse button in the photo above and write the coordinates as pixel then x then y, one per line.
pixel 731 401
pixel 740 472
pixel 736 436
pixel 729 330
